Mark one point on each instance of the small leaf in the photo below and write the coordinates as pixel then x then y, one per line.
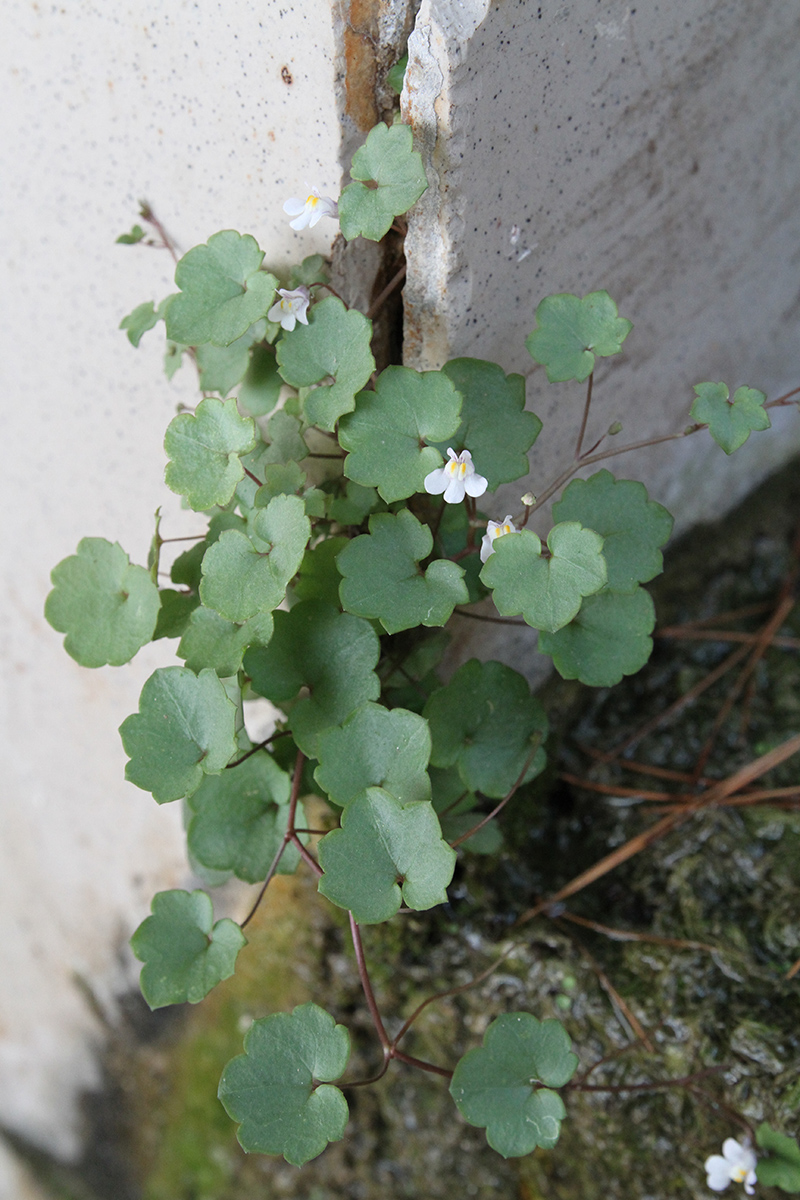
pixel 334 343
pixel 382 579
pixel 385 434
pixel 184 956
pixel 285 442
pixel 571 332
pixel 272 1088
pixel 395 76
pixel 173 616
pixel 173 358
pixel 782 1168
pixel 331 653
pixel 730 422
pixel 498 1085
pixel 137 323
pixel 106 607
pixel 632 526
pixel 376 747
pixel 387 159
pixel 222 367
pixel 311 270
pixel 223 291
pixel 240 817
pixel 211 641
pixel 609 638
pixel 494 426
pixel 130 239
pixel 261 386
pixel 318 577
pixel 401 857
pixel 205 450
pixel 184 729
pixel 547 592
pixel 239 579
pixel 486 722
pixel 355 506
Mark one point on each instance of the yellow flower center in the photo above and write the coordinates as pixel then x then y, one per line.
pixel 312 201
pixel 739 1174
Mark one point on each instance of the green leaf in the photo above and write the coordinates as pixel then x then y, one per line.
pixel 387 159
pixel 184 729
pixel 782 1168
pixel 461 815
pixel 183 956
pixel 222 367
pixel 239 819
pixel 261 387
pixel 318 577
pixel 311 270
pixel 376 747
pixel 385 434
pixel 609 638
pixel 211 641
pixel 273 1088
pixel 130 239
pixel 730 422
pixel 285 440
pixel 205 450
pixel 331 653
pixel 547 591
pixel 240 580
pixel 400 853
pixel 632 526
pixel 382 579
pixel 355 506
pixel 223 291
pixel 280 479
pixel 395 76
pixel 137 323
pixel 571 332
pixel 173 616
pixel 498 1085
pixel 336 342
pixel 487 723
pixel 106 607
pixel 173 358
pixel 494 426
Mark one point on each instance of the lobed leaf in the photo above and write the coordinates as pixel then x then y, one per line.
pixel 183 956
pixel 184 729
pixel 210 641
pixel 609 638
pixel 386 433
pixel 782 1168
pixel 107 607
pixel 274 1088
pixel 223 291
pixel 730 422
pixel 388 161
pixel 261 385
pixel 204 449
pixel 400 852
pixel 222 367
pixel 336 342
pixel 571 332
pixel 376 747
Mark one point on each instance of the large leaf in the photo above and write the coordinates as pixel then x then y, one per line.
pixel 398 854
pixel 494 426
pixel 782 1168
pixel 336 342
pixel 730 422
pixel 383 581
pixel 211 641
pixel 633 528
pixel 486 722
pixel 279 1089
pixel 239 819
pixel 223 291
pixel 609 638
pixel 547 591
pixel 204 449
pixel 184 729
pixel 376 747
pixel 499 1085
pixel 571 332
pixel 331 653
pixel 107 608
pixel 387 162
pixel 241 579
pixel 184 956
pixel 387 432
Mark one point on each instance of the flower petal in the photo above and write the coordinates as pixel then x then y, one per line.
pixel 455 492
pixel 294 207
pixel 436 482
pixel 718 1171
pixel 475 484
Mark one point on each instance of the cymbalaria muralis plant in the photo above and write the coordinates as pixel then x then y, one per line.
pixel 327 593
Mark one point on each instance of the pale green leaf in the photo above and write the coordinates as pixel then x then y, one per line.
pixel 223 291
pixel 388 162
pixel 730 422
pixel 204 450
pixel 571 332
pixel 376 747
pixel 609 638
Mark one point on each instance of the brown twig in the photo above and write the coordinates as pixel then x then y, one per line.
pixel 536 743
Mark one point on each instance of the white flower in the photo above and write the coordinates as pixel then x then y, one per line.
pixel 495 529
pixel 736 1164
pixel 291 308
pixel 309 211
pixel 455 478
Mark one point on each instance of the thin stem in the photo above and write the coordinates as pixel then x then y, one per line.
pixel 782 399
pixel 686 1081
pixel 460 612
pixel 369 995
pixel 321 283
pixel 423 1066
pixel 147 214
pixel 287 837
pixel 387 291
pixel 304 854
pixel 537 741
pixel 585 418
pixel 273 866
pixel 190 537
pixel 454 991
pixel 261 745
pixel 250 475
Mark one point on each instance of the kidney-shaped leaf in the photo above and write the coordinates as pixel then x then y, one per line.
pixel 204 449
pixel 382 579
pixel 609 638
pixel 547 591
pixel 279 1089
pixel 571 332
pixel 782 1168
pixel 498 1085
pixel 335 342
pixel 183 956
pixel 208 640
pixel 730 422
pixel 388 162
pixel 184 729
pixel 385 853
pixel 223 291
pixel 107 607
pixel 376 747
